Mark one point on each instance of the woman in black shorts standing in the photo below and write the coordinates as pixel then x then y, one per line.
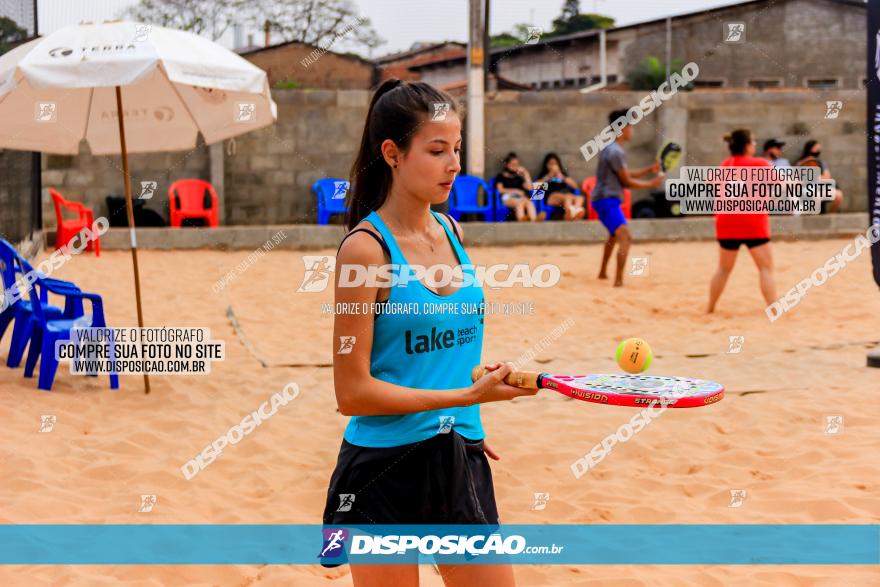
pixel 414 450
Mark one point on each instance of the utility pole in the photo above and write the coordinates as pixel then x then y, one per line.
pixel 36 170
pixel 476 83
pixel 668 48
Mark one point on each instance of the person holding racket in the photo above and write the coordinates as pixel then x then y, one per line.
pixel 734 230
pixel 414 449
pixel 612 176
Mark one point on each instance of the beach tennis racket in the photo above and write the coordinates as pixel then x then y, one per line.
pixel 669 156
pixel 620 390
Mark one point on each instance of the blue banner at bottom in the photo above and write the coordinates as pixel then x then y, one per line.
pixel 672 544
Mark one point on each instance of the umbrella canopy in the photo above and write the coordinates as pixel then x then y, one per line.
pixel 168 86
pixel 60 89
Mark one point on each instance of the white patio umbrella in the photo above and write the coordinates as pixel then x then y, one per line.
pixel 170 85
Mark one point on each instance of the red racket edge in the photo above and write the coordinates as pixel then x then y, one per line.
pixel 615 399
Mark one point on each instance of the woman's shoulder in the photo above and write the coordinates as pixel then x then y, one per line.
pixel 358 246
pixel 453 225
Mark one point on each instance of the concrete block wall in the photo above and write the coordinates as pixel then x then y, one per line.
pixel 268 174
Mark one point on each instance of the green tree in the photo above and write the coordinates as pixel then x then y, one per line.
pixel 504 40
pixel 329 24
pixel 650 73
pixel 572 21
pixel 511 39
pixel 210 18
pixel 580 22
pixel 324 23
pixel 10 34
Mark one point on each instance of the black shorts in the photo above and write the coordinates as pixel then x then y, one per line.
pixel 733 244
pixel 443 480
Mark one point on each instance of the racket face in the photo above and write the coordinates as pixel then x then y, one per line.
pixel 637 390
pixel 670 155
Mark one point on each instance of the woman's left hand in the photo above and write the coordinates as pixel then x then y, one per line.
pixel 489 452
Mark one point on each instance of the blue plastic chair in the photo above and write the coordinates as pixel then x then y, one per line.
pixel 464 198
pixel 46 331
pixel 20 310
pixel 542 205
pixel 331 197
pixel 500 212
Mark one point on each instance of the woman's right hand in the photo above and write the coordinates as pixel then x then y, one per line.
pixel 491 387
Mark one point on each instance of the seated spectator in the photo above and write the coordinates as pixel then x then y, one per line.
pixel 515 184
pixel 560 188
pixel 810 158
pixel 773 153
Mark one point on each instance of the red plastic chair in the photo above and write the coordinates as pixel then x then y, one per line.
pixel 186 200
pixel 67 229
pixel 587 189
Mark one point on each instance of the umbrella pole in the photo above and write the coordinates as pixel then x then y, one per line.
pixel 129 208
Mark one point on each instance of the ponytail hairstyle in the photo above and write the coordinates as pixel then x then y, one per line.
pixel 396 112
pixel 738 140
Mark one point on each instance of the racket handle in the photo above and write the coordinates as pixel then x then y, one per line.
pixel 521 379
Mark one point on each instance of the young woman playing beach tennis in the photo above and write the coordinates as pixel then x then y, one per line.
pixel 414 450
pixel 734 230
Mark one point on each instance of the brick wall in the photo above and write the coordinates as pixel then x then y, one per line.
pixel 321 69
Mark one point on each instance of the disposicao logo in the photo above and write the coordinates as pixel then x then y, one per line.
pixel 334 542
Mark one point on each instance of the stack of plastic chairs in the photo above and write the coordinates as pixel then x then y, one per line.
pixel 37 323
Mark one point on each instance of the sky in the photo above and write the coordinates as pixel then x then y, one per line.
pixel 403 22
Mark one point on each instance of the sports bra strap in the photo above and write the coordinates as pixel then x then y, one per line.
pixel 452 224
pixel 381 242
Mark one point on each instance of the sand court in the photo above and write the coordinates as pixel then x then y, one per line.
pixel 768 441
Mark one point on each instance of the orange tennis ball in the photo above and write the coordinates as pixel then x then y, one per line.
pixel 634 355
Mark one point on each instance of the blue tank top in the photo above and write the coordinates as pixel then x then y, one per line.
pixel 429 347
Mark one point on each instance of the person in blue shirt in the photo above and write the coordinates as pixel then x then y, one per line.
pixel 414 449
pixel 773 153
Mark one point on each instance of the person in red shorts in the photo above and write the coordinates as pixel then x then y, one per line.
pixel 734 230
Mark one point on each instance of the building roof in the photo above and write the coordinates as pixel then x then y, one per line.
pixel 594 32
pixel 251 49
pixel 502 82
pixel 412 52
